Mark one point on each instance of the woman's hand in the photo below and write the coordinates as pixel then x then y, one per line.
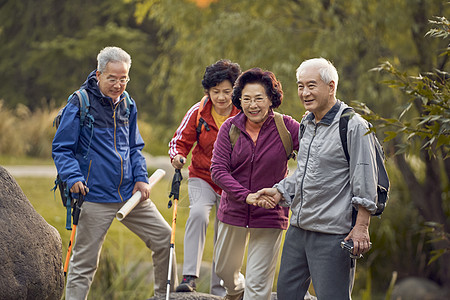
pixel 178 161
pixel 261 200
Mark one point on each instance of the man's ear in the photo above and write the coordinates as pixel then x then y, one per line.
pixel 97 74
pixel 332 87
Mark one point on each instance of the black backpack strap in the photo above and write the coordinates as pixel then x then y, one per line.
pixel 343 128
pixel 302 126
pixel 200 121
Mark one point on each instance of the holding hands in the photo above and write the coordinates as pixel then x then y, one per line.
pixel 267 198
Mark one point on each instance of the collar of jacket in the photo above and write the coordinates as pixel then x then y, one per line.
pixel 329 116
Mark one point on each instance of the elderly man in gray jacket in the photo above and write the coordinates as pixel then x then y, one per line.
pixel 323 191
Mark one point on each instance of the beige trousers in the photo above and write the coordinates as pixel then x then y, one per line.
pixel 95 219
pixel 263 249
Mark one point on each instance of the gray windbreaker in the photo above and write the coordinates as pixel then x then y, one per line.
pixel 324 186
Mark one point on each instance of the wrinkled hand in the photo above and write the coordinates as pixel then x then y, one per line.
pixel 360 233
pixel 178 161
pixel 79 187
pixel 144 188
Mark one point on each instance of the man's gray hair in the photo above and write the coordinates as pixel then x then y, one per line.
pixel 326 70
pixel 112 54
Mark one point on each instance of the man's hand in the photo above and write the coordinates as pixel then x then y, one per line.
pixel 144 188
pixel 267 198
pixel 79 187
pixel 260 200
pixel 178 161
pixel 360 232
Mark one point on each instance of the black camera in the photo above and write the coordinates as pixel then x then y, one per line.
pixel 348 245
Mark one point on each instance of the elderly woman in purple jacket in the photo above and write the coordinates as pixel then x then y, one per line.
pixel 258 159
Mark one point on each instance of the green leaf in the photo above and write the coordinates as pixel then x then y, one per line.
pixel 389 135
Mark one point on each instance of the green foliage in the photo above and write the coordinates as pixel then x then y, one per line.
pixel 438 235
pixel 421 131
pixel 432 126
pixel 52 47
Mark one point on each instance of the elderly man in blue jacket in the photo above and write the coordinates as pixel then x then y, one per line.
pixel 322 192
pixel 105 163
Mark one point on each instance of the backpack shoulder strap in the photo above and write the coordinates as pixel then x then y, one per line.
pixel 127 103
pixel 234 135
pixel 343 128
pixel 302 126
pixel 285 135
pixel 84 114
pixel 83 97
pixel 200 121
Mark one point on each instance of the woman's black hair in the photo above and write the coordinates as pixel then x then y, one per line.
pixel 220 71
pixel 266 78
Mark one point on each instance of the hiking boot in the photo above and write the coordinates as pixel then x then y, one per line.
pixel 238 296
pixel 187 285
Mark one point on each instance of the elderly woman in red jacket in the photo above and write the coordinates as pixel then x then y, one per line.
pixel 200 126
pixel 257 159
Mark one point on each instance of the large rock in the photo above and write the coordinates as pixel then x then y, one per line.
pixel 30 249
pixel 414 288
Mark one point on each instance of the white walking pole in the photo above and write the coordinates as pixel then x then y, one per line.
pixel 135 199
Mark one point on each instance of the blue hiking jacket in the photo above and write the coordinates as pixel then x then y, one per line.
pixel 108 159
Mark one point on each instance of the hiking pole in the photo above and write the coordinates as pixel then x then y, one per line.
pixel 76 215
pixel 136 198
pixel 175 192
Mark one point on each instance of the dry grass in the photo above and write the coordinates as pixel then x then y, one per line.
pixel 25 133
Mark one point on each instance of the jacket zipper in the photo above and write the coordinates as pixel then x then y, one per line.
pixel 115 148
pixel 250 179
pixel 89 171
pixel 304 173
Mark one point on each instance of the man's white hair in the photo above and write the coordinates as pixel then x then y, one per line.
pixel 112 54
pixel 326 70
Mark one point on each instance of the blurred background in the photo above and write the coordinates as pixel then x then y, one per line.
pixel 392 57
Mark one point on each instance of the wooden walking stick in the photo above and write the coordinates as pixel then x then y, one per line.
pixel 175 192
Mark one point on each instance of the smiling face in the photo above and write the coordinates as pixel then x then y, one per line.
pixel 316 95
pixel 113 70
pixel 220 96
pixel 255 103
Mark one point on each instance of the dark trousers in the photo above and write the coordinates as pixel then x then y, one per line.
pixel 318 256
